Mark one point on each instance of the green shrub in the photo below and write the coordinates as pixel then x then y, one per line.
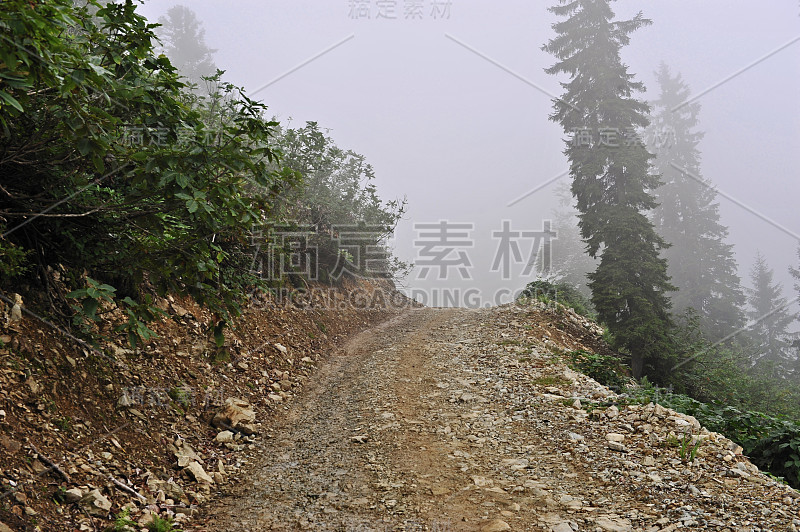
pixel 162 525
pixel 566 294
pixel 605 369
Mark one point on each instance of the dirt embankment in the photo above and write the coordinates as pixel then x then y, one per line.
pixel 85 434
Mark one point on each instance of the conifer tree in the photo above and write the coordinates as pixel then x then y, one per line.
pixel 611 179
pixel 701 263
pixel 769 310
pixel 183 41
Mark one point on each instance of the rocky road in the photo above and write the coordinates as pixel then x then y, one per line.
pixel 463 420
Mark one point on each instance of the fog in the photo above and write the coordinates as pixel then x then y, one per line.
pixel 452 110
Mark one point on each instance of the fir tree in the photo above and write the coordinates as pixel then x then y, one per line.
pixel 611 179
pixel 701 263
pixel 183 41
pixel 771 316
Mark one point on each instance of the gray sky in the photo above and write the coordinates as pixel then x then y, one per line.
pixel 461 137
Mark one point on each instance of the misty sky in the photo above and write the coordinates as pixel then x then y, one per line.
pixel 461 137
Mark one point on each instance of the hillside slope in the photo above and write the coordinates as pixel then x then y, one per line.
pixel 85 434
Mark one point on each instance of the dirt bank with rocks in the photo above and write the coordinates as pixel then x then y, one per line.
pixel 86 435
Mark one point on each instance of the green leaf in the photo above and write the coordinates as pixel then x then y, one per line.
pixel 84 146
pixel 10 100
pixel 90 308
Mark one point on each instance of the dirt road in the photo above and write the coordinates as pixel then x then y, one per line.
pixel 462 420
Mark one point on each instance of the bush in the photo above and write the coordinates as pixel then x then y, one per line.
pixel 562 293
pixel 116 171
pixel 605 369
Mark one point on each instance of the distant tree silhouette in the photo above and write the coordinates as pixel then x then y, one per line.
pixel 183 41
pixel 701 262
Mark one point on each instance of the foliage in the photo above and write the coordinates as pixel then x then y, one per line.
pixel 14 258
pixel 181 395
pixel 551 380
pixel 138 314
pixel 162 525
pixel 123 522
pixel 112 167
pixel 771 320
pixel 700 263
pixel 338 199
pixel 91 297
pixel 689 447
pixel 605 369
pixel 564 293
pixel 611 182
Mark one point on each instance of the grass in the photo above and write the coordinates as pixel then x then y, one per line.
pixel 551 380
pixel 509 342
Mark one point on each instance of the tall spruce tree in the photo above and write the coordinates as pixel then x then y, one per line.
pixel 770 332
pixel 701 263
pixel 611 179
pixel 183 41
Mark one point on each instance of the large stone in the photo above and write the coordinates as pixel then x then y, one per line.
pixel 96 503
pixel 199 474
pixel 236 415
pixel 496 525
pixel 12 446
pixel 613 524
pixel 225 436
pixel 73 495
pixel 186 454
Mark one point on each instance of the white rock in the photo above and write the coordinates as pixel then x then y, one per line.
pixel 97 503
pixel 611 524
pixel 516 463
pixel 224 437
pixel 574 437
pixel 199 474
pixel 482 482
pixel 496 525
pixel 281 348
pixel 73 495
pixel 16 310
